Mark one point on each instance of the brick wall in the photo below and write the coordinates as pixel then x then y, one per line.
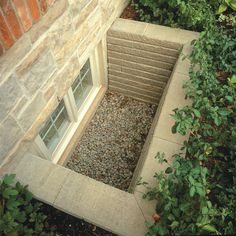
pixel 17 17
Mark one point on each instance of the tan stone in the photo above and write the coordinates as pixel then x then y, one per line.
pixel 64 79
pixel 105 206
pixel 45 22
pixel 13 56
pixel 36 69
pixel 10 134
pixel 41 118
pixel 10 93
pixel 19 106
pixel 43 178
pixel 85 12
pixel 30 113
pixel 175 98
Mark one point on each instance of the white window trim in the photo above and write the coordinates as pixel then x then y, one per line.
pixel 76 115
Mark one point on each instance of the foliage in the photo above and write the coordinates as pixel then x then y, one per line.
pixel 226 4
pixel 188 14
pixel 197 194
pixel 19 214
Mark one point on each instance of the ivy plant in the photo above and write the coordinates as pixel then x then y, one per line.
pixel 19 213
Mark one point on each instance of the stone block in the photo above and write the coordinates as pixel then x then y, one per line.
pixel 10 93
pixel 13 56
pixel 10 134
pixel 44 178
pixel 103 205
pixel 175 98
pixel 45 22
pixel 20 105
pixel 41 118
pixel 171 37
pixel 86 10
pixel 36 70
pixel 64 79
pixel 151 165
pixel 31 111
pixel 62 39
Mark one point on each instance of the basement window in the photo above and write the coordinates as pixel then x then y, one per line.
pixel 56 133
pixel 56 125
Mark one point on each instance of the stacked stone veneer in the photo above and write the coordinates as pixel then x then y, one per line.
pixel 140 64
pixel 40 67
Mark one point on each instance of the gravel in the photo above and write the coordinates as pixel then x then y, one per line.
pixel 111 145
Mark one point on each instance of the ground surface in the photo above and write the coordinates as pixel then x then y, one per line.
pixel 67 225
pixel 111 146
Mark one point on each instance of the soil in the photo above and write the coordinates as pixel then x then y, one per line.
pixel 129 13
pixel 67 225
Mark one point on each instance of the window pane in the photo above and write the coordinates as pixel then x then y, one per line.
pixel 55 127
pixel 79 94
pixel 87 81
pixel 76 83
pixel 83 84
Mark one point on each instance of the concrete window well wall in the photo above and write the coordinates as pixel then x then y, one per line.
pixel 81 78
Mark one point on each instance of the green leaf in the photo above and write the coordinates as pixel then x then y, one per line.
pixel 209 228
pixel 169 170
pixel 9 179
pixel 9 192
pixel 174 225
pixel 197 113
pixel 192 191
pixel 224 111
pixel 223 7
pixel 204 210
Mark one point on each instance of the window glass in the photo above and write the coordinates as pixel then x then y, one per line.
pixel 83 84
pixel 54 128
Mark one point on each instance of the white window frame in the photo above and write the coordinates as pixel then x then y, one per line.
pixel 98 71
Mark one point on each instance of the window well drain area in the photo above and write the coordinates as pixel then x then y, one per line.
pixel 112 143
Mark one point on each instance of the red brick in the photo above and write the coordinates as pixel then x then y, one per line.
pixel 1 49
pixel 43 6
pixel 11 18
pixel 34 9
pixel 5 34
pixel 23 14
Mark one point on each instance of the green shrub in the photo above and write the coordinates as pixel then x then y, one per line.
pixel 188 14
pixel 197 194
pixel 19 214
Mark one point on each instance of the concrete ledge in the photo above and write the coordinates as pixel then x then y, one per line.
pixel 112 209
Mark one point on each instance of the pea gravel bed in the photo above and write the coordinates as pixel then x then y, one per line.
pixel 111 145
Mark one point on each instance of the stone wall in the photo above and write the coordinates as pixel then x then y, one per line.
pixel 140 64
pixel 39 68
